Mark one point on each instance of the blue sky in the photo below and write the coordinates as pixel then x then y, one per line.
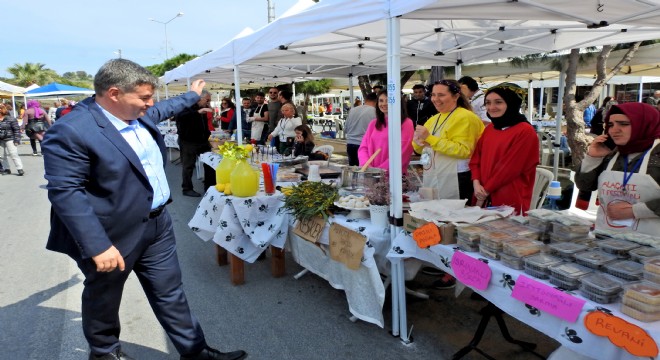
pixel 78 35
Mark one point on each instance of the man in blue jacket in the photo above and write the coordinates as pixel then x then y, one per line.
pixel 108 190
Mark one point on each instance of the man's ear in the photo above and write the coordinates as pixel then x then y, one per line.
pixel 112 94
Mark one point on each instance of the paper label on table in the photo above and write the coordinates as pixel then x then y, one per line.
pixel 427 235
pixel 346 246
pixel 621 333
pixel 311 229
pixel 547 298
pixel 470 271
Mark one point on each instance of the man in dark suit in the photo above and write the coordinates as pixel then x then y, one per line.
pixel 108 190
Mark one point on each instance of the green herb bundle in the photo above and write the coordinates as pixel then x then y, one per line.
pixel 309 199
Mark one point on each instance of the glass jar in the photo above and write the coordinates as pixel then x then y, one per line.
pixel 224 169
pixel 244 180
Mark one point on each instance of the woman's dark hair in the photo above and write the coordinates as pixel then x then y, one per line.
pixel 380 116
pixel 455 88
pixel 469 82
pixel 606 100
pixel 230 103
pixel 306 132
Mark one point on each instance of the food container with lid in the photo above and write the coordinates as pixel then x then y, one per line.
pixel 565 284
pixel 541 262
pixel 602 284
pixel 594 259
pixel 495 238
pixel 522 247
pixel 525 232
pixel 625 269
pixel 599 298
pixel 639 315
pixel 544 225
pixel 653 277
pixel 652 265
pixel 575 228
pixel 514 262
pixel 620 248
pixel 644 291
pixel 640 305
pixel 554 237
pixel 470 232
pixel 488 252
pixel 500 224
pixel 468 245
pixel 566 250
pixel 643 253
pixel 569 272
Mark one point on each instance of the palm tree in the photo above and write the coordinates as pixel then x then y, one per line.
pixel 32 73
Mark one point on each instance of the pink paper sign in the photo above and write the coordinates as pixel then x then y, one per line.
pixel 547 298
pixel 470 271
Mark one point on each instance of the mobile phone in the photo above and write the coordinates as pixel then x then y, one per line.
pixel 609 143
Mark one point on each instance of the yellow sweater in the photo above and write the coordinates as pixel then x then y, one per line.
pixel 457 137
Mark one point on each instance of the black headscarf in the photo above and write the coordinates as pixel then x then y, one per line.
pixel 513 96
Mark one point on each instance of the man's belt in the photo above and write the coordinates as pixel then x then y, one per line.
pixel 159 210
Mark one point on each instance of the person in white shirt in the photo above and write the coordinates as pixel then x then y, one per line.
pixel 470 88
pixel 285 129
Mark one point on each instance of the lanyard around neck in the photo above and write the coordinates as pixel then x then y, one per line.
pixel 627 175
pixel 435 127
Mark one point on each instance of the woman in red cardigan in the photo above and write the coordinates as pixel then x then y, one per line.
pixel 504 163
pixel 227 109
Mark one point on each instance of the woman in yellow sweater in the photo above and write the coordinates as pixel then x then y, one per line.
pixel 449 138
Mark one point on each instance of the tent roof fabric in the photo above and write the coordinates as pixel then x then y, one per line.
pixel 9 89
pixel 55 89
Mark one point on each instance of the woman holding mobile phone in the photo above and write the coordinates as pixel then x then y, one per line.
pixel 624 166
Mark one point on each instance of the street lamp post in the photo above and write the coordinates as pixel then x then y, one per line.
pixel 165 24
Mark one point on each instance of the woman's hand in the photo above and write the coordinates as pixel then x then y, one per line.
pixel 620 211
pixel 479 192
pixel 421 132
pixel 270 137
pixel 597 148
pixel 299 138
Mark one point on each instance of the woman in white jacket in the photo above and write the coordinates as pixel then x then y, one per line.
pixel 285 129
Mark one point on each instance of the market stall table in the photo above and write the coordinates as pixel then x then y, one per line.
pixel 573 335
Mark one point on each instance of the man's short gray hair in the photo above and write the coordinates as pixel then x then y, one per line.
pixel 123 74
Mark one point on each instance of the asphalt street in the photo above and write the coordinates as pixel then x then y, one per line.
pixel 270 318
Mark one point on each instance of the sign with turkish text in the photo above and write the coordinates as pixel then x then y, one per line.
pixel 547 298
pixel 311 229
pixel 346 246
pixel 427 235
pixel 621 333
pixel 470 271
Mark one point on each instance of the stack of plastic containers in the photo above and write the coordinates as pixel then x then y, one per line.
pixel 491 243
pixel 642 301
pixel 468 236
pixel 625 269
pixel 541 219
pixel 594 259
pixel 601 288
pixel 537 265
pixel 652 270
pixel 567 275
pixel 566 250
pixel 573 229
pixel 620 248
pixel 643 253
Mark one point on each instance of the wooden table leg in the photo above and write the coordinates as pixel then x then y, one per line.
pixel 277 262
pixel 221 256
pixel 237 270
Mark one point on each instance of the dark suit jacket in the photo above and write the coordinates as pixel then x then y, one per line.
pixel 99 192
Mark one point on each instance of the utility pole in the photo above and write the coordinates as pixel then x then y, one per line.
pixel 271 11
pixel 165 25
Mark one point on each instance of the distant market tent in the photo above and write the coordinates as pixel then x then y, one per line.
pixel 56 89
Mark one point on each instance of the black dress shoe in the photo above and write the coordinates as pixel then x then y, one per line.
pixel 191 193
pixel 115 355
pixel 21 172
pixel 210 353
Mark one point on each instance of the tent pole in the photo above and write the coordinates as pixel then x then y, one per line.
pixel 641 90
pixel 239 111
pixel 541 101
pixel 558 122
pixel 351 93
pixel 458 71
pixel 530 100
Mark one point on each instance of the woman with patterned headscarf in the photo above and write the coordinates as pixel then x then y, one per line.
pixel 35 121
pixel 624 166
pixel 504 162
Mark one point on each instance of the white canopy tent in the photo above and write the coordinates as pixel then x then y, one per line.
pixel 371 33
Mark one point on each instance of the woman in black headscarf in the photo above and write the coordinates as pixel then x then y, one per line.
pixel 504 162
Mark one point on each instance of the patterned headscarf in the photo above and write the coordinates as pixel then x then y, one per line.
pixel 644 125
pixel 34 104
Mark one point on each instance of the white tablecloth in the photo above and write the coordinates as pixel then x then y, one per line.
pixel 499 293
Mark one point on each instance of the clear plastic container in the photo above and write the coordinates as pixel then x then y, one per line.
pixel 594 259
pixel 599 298
pixel 525 232
pixel 470 232
pixel 579 228
pixel 544 225
pixel 467 245
pixel 625 269
pixel 643 253
pixel 620 248
pixel 653 277
pixel 601 284
pixel 646 292
pixel 639 315
pixel 639 305
pixel 513 262
pixel 500 224
pixel 652 265
pixel 541 262
pixel 554 237
pixel 489 252
pixel 522 247
pixel 540 274
pixel 569 272
pixel 566 250
pixel 494 238
pixel 566 285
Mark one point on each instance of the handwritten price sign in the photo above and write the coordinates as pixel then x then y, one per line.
pixel 547 298
pixel 427 235
pixel 471 271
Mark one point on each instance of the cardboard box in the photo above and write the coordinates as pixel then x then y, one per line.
pixel 447 230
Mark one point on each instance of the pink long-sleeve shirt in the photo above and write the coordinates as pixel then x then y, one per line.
pixel 377 139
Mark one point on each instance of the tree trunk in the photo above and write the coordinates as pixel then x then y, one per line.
pixel 365 85
pixel 405 77
pixel 578 140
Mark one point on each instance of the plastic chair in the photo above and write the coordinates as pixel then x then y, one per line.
pixel 326 149
pixel 541 183
pixel 592 209
pixel 547 149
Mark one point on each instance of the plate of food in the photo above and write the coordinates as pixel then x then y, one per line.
pixel 357 204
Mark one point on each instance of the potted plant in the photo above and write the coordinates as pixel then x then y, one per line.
pixel 379 202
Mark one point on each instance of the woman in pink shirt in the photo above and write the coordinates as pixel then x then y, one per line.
pixel 376 138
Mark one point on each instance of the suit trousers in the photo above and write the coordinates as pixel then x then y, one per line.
pixel 189 153
pixel 352 152
pixel 156 265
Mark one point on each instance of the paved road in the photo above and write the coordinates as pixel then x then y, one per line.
pixel 272 319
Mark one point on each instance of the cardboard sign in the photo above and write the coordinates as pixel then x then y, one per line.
pixel 411 223
pixel 470 271
pixel 621 333
pixel 311 229
pixel 427 235
pixel 547 298
pixel 346 246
